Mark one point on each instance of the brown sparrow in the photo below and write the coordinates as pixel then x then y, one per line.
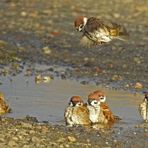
pixel 143 108
pixel 99 110
pixel 77 113
pixel 97 31
pixel 4 108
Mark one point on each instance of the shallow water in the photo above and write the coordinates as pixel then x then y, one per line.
pixel 47 101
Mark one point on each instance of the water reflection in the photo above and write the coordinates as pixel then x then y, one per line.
pixel 47 101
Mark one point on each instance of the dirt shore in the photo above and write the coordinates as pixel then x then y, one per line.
pixel 41 31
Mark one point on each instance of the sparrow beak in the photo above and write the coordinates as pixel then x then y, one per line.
pixel 77 28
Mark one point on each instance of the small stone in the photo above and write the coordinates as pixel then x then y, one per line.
pixel 106 142
pixel 138 85
pixel 115 141
pixel 66 145
pixel 26 146
pixel 71 139
pixel 127 86
pixel 12 143
pixel 45 129
pixel 46 50
pixel 3 43
pixel 31 132
pixel 46 79
pixel 88 140
pixel 15 138
pixel 2 139
pixel 116 15
pixel 137 60
pixel 38 79
pixel 35 139
pixel 61 140
pixel 86 59
pixel 26 125
pixel 116 78
pixel 23 13
pixel 61 146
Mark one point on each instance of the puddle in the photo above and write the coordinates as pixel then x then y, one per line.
pixel 47 101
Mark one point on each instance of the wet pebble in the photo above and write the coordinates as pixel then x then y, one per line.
pixel 12 143
pixel 116 77
pixel 60 140
pixel 35 139
pixel 71 139
pixel 138 85
pixel 46 50
pixel 26 146
pixel 26 125
pixel 23 14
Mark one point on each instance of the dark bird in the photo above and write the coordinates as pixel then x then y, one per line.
pixel 97 31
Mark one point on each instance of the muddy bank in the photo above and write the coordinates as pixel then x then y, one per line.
pixel 41 32
pixel 28 133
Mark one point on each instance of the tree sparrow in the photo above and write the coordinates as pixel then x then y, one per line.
pixel 77 112
pixel 99 110
pixel 96 31
pixel 4 108
pixel 143 108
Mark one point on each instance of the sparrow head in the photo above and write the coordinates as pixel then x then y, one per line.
pixel 80 23
pixel 101 95
pixel 76 101
pixel 93 100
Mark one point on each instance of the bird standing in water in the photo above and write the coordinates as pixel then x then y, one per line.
pixel 76 113
pixel 143 108
pixel 4 108
pixel 99 110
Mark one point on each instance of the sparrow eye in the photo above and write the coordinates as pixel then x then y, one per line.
pixel 95 102
pixel 102 98
pixel 81 26
pixel 71 104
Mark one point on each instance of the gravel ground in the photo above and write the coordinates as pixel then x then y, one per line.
pixel 41 31
pixel 28 133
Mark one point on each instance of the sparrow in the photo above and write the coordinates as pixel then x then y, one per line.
pixel 97 31
pixel 143 108
pixel 77 112
pixel 4 108
pixel 99 110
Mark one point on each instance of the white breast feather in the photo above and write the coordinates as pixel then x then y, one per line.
pixel 144 111
pixel 93 113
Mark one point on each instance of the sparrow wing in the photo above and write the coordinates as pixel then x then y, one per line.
pixel 105 27
pixel 143 109
pixel 107 112
pixel 4 108
pixel 83 115
pixel 95 31
pixel 68 115
pixel 114 29
pixel 93 24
